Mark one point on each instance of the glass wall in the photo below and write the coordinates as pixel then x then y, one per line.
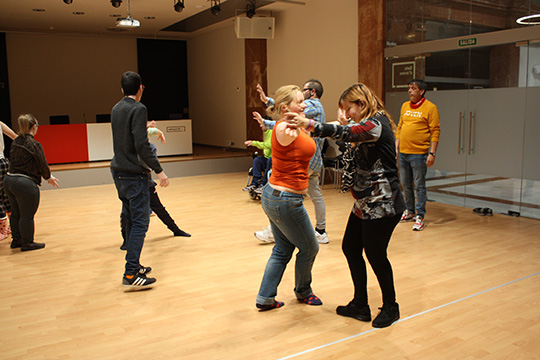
pixel 411 21
pixel 487 98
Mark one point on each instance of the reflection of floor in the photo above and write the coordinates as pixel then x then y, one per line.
pixel 499 193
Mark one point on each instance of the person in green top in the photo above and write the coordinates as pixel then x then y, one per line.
pixel 261 164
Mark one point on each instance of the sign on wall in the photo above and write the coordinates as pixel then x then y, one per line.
pixel 402 73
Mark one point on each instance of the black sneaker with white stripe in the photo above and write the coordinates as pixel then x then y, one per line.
pixel 137 282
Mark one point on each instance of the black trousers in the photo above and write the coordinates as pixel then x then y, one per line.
pixel 371 236
pixel 157 207
pixel 23 194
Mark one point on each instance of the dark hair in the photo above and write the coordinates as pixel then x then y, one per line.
pixel 131 82
pixel 420 83
pixel 315 85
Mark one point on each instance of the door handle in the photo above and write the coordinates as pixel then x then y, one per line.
pixel 472 119
pixel 459 149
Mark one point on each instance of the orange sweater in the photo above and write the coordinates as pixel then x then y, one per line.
pixel 418 128
pixel 290 163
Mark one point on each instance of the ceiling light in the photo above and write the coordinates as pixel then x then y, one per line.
pixel 529 20
pixel 116 3
pixel 179 6
pixel 127 23
pixel 68 1
pixel 215 7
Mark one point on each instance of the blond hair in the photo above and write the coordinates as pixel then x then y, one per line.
pixel 360 93
pixel 285 95
pixel 26 123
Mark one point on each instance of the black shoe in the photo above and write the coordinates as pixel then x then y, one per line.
pixel 144 270
pixel 487 211
pixel 388 315
pixel 15 244
pixel 479 211
pixel 137 282
pixel 123 246
pixel 351 310
pixel 181 233
pixel 32 246
pixel 275 305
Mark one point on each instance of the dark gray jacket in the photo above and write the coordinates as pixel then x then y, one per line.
pixel 132 151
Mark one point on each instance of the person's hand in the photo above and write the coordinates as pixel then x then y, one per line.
pixel 430 160
pixel 163 179
pixel 262 95
pixel 259 118
pixel 161 136
pixel 342 117
pixel 53 181
pixel 248 142
pixel 295 120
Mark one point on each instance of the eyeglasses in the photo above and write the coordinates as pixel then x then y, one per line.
pixel 306 89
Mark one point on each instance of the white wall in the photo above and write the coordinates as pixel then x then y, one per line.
pixel 73 75
pixel 318 40
pixel 216 85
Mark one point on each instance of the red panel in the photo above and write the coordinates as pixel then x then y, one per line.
pixel 64 143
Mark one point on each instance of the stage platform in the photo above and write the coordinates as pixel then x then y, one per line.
pixel 204 160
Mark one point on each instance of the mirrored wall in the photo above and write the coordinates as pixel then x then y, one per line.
pixel 483 73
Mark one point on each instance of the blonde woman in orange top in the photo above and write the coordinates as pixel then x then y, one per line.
pixel 282 201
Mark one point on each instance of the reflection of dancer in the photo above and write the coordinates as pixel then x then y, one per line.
pixel 155 203
pixel 417 138
pixel 282 201
pixel 28 166
pixel 4 165
pixel 378 200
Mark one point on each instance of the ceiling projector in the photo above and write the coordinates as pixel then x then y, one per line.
pixel 127 23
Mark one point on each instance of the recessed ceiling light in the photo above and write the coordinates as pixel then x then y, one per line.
pixel 38 10
pixel 529 20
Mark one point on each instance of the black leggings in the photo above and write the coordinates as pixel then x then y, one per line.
pixel 371 236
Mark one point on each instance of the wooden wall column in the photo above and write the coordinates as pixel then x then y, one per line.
pixel 256 73
pixel 371 30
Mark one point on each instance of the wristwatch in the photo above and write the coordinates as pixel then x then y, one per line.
pixel 433 154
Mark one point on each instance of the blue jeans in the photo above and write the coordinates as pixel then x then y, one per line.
pixel 261 166
pixel 133 192
pixel 412 171
pixel 292 229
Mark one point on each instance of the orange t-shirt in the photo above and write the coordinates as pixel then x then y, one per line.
pixel 290 163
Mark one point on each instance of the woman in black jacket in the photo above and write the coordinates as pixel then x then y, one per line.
pixel 372 174
pixel 28 165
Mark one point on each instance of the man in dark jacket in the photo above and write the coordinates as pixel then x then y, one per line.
pixel 131 166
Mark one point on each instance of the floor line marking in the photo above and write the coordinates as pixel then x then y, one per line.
pixel 408 317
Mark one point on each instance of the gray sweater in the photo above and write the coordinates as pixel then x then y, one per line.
pixel 132 151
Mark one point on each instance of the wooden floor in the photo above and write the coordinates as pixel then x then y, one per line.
pixel 468 286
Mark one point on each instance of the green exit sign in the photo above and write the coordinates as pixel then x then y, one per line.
pixel 467 42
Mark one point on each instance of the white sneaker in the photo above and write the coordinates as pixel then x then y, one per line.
pixel 418 223
pixel 265 235
pixel 322 238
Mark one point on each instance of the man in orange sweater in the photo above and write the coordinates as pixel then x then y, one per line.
pixel 417 138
